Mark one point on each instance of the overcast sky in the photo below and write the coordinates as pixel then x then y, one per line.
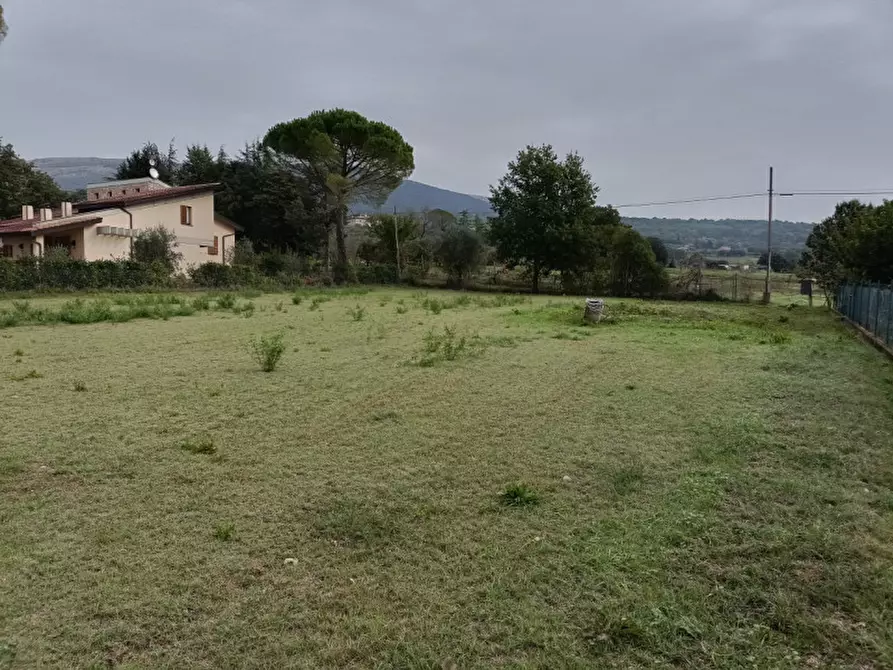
pixel 663 99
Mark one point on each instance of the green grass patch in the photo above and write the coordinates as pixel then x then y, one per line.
pixel 731 510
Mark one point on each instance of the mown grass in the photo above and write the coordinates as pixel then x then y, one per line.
pixel 682 486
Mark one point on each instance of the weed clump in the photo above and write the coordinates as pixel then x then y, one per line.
pixel 519 495
pixel 80 387
pixel 224 532
pixel 203 446
pixel 357 313
pixel 268 350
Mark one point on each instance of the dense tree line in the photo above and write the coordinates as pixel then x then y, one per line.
pixel 292 192
pixel 21 183
pixel 547 220
pixel 855 243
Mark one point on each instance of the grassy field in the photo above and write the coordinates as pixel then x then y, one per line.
pixel 443 481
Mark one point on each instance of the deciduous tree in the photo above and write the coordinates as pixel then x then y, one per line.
pixel 545 212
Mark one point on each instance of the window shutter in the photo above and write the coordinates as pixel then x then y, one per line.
pixel 183 215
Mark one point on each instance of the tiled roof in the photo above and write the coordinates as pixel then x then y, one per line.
pixel 32 225
pixel 141 198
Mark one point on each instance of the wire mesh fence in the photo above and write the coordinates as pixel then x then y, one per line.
pixel 869 306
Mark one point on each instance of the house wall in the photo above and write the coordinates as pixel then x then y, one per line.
pixel 166 214
pixel 12 240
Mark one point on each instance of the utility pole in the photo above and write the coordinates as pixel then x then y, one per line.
pixel 767 293
pixel 397 244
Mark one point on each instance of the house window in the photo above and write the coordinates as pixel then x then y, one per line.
pixel 137 189
pixel 123 191
pixel 186 215
pixel 96 196
pixel 6 251
pixel 110 194
pixel 213 251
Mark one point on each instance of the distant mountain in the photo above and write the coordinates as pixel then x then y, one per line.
pixel 75 173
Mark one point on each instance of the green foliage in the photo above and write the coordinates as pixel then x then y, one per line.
pixel 224 532
pixel 200 166
pixel 634 268
pixel 22 184
pixel 546 217
pixel 781 261
pixel 660 250
pixel 226 301
pixel 448 345
pixel 519 495
pixel 357 313
pixel 346 157
pixel 204 446
pixel 279 210
pixel 138 163
pixel 80 387
pixel 4 27
pixel 708 235
pixel 459 253
pixel 267 350
pixel 297 299
pixel 853 244
pixel 157 245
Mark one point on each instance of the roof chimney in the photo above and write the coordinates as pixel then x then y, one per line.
pixel 66 209
pixel 27 212
pixel 46 214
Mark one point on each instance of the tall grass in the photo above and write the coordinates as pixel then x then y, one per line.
pixel 119 309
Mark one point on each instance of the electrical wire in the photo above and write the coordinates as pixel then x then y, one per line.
pixel 711 198
pixel 741 196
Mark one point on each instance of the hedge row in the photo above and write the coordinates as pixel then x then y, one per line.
pixel 29 274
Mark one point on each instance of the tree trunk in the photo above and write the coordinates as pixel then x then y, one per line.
pixel 341 247
pixel 536 277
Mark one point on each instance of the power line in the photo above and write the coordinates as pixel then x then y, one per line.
pixel 741 196
pixel 711 198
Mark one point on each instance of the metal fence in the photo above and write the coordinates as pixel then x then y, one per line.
pixel 869 306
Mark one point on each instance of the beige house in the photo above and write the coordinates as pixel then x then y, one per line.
pixel 114 214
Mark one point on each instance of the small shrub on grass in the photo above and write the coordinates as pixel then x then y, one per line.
pixel 226 301
pixel 31 374
pixel 433 305
pixel 268 350
pixel 402 309
pixel 201 303
pixel 224 531
pixel 297 299
pixel 628 479
pixel 80 387
pixel 519 495
pixel 780 337
pixel 279 306
pixel 203 446
pixel 357 313
pixel 317 301
pixel 19 353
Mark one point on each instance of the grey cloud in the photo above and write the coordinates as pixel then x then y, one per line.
pixel 664 99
